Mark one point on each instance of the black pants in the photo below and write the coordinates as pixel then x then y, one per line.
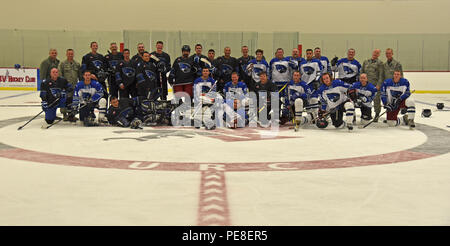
pixel 337 117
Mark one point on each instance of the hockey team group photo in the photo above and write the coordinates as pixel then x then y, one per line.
pixel 205 89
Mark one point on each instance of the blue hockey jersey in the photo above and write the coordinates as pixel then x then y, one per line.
pixel 82 92
pixel 310 70
pixel 237 91
pixel 279 69
pixel 365 93
pixel 348 69
pixel 299 90
pixel 334 95
pixel 326 68
pixel 255 67
pixel 391 90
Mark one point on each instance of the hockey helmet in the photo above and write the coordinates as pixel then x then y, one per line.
pixel 322 123
pixel 426 112
pixel 440 105
pixel 186 48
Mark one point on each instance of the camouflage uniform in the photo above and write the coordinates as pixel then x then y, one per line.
pixel 390 67
pixel 374 71
pixel 46 66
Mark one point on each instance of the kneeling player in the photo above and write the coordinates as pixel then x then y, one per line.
pixel 88 96
pixel 333 96
pixel 301 98
pixel 362 94
pixel 122 113
pixel 236 99
pixel 204 98
pixel 53 94
pixel 396 95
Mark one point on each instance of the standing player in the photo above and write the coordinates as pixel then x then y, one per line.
pixel 323 60
pixel 88 96
pixel 295 60
pixel 138 57
pixel 126 76
pixel 163 68
pixel 236 99
pixel 362 94
pixel 183 72
pixel 374 70
pixel 396 95
pixel 334 100
pixel 243 63
pixel 226 65
pixel 280 74
pixel 301 98
pixel 255 67
pixel 53 94
pixel 112 59
pixel 146 80
pixel 310 69
pixel 95 63
pixel 204 95
pixel 348 68
pixel 199 59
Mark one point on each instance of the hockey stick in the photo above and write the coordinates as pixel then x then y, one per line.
pixel 56 122
pixel 51 105
pixel 206 61
pixel 373 120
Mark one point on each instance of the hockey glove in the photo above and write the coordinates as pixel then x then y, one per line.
pixel 396 103
pixel 389 107
pixel 321 113
pixel 352 94
pixel 334 61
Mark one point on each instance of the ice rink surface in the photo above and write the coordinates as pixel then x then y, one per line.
pixel 74 175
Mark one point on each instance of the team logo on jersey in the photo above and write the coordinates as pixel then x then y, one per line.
pixel 97 64
pixel 334 97
pixel 396 94
pixel 150 74
pixel 128 71
pixel 184 67
pixel 348 70
pixel 308 70
pixel 280 68
pixel 113 64
pixel 257 70
pixel 227 69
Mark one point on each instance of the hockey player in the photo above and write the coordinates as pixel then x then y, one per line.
pixel 280 74
pixel 95 63
pixel 310 69
pixel 138 57
pixel 199 59
pixel 126 76
pixel 183 72
pixel 396 95
pixel 334 101
pixel 163 68
pixel 112 59
pixel 54 91
pixel 255 67
pixel 362 93
pixel 323 60
pixel 226 65
pixel 348 68
pixel 204 97
pixel 263 90
pixel 243 63
pixel 295 60
pixel 146 80
pixel 88 96
pixel 236 99
pixel 122 113
pixel 301 98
